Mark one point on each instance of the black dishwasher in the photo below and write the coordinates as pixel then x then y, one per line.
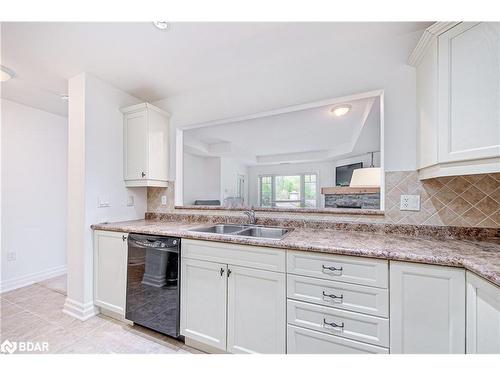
pixel 153 284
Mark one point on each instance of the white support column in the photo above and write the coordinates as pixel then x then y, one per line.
pixel 79 300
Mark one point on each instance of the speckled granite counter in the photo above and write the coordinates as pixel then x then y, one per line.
pixel 480 257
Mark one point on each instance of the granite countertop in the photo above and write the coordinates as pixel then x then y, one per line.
pixel 481 257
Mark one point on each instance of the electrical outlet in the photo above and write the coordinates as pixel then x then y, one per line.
pixel 11 256
pixel 410 203
pixel 163 200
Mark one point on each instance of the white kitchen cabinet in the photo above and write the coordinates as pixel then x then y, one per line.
pixel 360 327
pixel 306 341
pixel 256 311
pixel 110 271
pixel 469 92
pixel 458 99
pixel 145 145
pixel 427 107
pixel 427 309
pixel 233 295
pixel 483 316
pixel 203 302
pixel 346 269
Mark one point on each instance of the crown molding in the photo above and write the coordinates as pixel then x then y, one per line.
pixel 429 34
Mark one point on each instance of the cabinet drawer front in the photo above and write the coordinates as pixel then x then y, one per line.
pixel 306 341
pixel 357 298
pixel 355 270
pixel 361 327
pixel 239 255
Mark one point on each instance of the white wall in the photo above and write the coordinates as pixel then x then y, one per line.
pixel 307 80
pixel 34 177
pixel 201 178
pixel 229 170
pixel 95 170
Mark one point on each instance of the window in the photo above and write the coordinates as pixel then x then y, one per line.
pixel 291 191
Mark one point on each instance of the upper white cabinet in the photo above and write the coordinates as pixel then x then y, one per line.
pixel 110 271
pixel 427 309
pixel 458 99
pixel 483 316
pixel 145 145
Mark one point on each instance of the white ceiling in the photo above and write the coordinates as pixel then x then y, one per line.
pixel 301 136
pixel 152 64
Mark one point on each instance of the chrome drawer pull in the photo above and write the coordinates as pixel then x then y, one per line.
pixel 332 268
pixel 332 324
pixel 333 296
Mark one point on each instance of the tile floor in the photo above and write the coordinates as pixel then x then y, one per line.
pixel 34 313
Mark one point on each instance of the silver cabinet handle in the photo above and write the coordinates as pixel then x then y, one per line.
pixel 221 271
pixel 229 272
pixel 332 324
pixel 333 296
pixel 143 174
pixel 332 268
pixel 124 238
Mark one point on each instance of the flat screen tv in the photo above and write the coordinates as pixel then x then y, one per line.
pixel 343 174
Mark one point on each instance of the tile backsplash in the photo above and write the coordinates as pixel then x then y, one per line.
pixel 465 201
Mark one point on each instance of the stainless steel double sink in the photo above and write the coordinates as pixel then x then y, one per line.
pixel 255 231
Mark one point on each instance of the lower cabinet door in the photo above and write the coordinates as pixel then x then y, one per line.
pixel 483 316
pixel 110 270
pixel 306 341
pixel 203 302
pixel 427 309
pixel 256 321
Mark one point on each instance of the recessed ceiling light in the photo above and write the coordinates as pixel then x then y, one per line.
pixel 341 110
pixel 6 74
pixel 162 25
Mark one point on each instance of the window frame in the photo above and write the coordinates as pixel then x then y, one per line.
pixel 302 199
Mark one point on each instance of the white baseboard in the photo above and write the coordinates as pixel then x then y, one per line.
pixel 19 282
pixel 80 311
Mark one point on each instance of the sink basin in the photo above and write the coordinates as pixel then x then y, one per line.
pixel 220 229
pixel 264 232
pixel 245 230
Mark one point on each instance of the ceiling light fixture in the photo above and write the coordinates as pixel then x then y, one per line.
pixel 161 25
pixel 341 110
pixel 6 74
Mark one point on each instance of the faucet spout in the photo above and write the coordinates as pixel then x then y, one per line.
pixel 251 216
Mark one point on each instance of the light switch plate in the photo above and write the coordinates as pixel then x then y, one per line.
pixel 164 200
pixel 410 203
pixel 130 200
pixel 102 201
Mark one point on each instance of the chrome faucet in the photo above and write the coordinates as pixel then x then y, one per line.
pixel 251 216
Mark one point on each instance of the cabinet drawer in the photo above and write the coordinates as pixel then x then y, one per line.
pixel 239 255
pixel 306 341
pixel 361 327
pixel 355 270
pixel 357 298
